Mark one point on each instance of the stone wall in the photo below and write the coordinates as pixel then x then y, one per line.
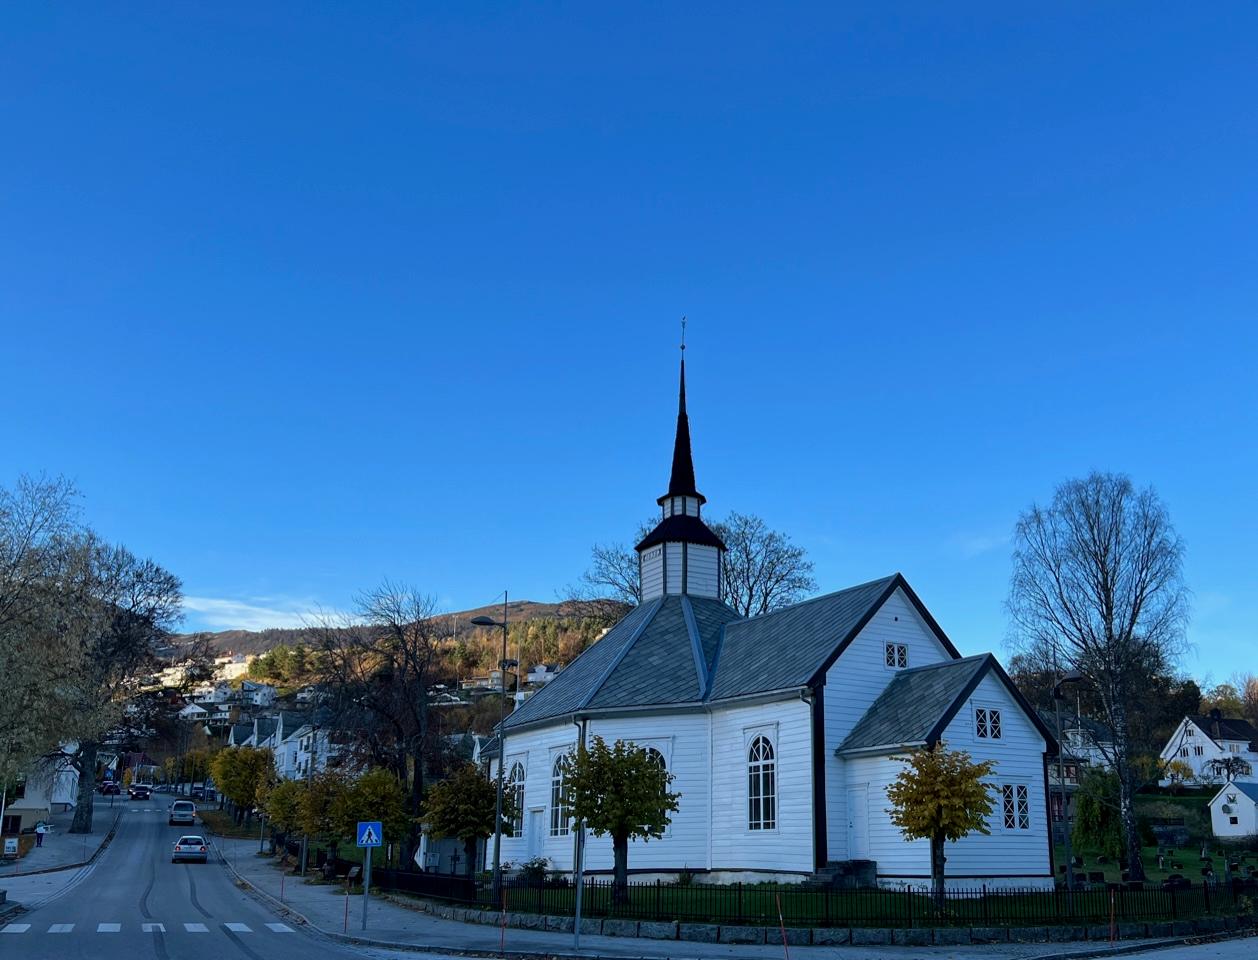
pixel 828 936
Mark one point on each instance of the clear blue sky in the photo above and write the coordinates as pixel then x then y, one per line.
pixel 304 295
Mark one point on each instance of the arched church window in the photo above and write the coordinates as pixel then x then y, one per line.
pixel 515 790
pixel 560 811
pixel 761 786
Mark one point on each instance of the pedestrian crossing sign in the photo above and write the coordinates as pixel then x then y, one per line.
pixel 370 834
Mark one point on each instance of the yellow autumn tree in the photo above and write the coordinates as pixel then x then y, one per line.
pixel 940 796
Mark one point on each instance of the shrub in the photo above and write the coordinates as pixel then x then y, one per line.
pixel 534 871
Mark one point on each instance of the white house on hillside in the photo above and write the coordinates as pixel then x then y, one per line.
pixel 782 730
pixel 1207 743
pixel 1234 811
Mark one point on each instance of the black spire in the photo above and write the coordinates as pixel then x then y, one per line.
pixel 681 483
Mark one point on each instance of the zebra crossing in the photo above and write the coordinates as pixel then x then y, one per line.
pixel 109 927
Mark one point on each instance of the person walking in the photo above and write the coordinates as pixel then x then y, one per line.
pixel 40 829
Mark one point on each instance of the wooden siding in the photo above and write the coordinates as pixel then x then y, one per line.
pixel 702 565
pixel 1014 854
pixel 672 568
pixel 789 846
pixel 854 682
pixel 653 572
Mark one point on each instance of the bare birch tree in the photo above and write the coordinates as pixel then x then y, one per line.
pixel 1097 586
pixel 379 664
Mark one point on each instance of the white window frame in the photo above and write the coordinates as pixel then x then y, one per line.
pixel 895 656
pixel 559 807
pixel 515 789
pixel 1015 807
pixel 991 720
pixel 762 785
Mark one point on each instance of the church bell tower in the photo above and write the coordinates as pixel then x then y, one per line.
pixel 681 555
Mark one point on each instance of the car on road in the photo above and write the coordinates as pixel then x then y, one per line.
pixel 109 788
pixel 140 791
pixel 190 847
pixel 183 812
pixel 198 793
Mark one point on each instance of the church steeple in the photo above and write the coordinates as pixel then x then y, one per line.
pixel 681 555
pixel 681 483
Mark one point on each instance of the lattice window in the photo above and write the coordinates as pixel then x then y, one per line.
pixel 987 723
pixel 1015 806
pixel 560 810
pixel 761 786
pixel 515 790
pixel 896 655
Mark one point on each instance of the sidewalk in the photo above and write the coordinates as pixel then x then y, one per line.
pixel 393 926
pixel 63 849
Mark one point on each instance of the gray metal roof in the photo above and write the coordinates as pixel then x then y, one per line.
pixel 687 649
pixel 786 648
pixel 914 703
pixel 584 675
pixel 651 657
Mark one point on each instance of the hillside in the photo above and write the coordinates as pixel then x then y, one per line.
pixel 245 642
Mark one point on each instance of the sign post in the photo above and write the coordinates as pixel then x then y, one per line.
pixel 370 836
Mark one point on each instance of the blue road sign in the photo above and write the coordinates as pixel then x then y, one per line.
pixel 370 833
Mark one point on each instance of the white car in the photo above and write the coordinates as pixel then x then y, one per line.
pixel 190 848
pixel 183 812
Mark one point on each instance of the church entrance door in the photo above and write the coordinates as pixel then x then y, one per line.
pixel 858 822
pixel 535 833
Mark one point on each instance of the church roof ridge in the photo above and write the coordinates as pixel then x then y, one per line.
pixel 822 596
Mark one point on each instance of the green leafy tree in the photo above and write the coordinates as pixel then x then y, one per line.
pixel 283 807
pixel 1098 825
pixel 376 795
pixel 240 773
pixel 940 796
pixel 321 810
pixel 620 791
pixel 463 806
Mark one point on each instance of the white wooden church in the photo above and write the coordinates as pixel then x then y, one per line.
pixel 781 730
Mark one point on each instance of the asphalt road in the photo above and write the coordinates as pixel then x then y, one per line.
pixel 133 903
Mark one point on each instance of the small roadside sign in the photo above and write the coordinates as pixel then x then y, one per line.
pixel 370 833
pixel 10 846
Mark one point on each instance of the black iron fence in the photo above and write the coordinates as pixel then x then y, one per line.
pixel 797 906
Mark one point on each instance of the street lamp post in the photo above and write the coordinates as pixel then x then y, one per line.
pixel 310 761
pixel 1071 676
pixel 503 664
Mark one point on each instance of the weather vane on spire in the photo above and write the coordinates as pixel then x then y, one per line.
pixel 683 333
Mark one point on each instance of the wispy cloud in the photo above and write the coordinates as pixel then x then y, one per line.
pixel 976 544
pixel 259 613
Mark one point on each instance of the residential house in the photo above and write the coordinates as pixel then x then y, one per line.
pixel 52 783
pixel 1234 811
pixel 258 694
pixel 1085 745
pixel 1211 744
pixel 783 731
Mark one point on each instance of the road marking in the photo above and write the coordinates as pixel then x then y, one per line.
pixel 16 928
pixel 280 927
pixel 238 927
pixel 108 927
pixel 196 928
pixel 153 927
pixel 61 928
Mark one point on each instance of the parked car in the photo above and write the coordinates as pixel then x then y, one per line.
pixel 198 793
pixel 183 812
pixel 108 788
pixel 190 848
pixel 140 791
